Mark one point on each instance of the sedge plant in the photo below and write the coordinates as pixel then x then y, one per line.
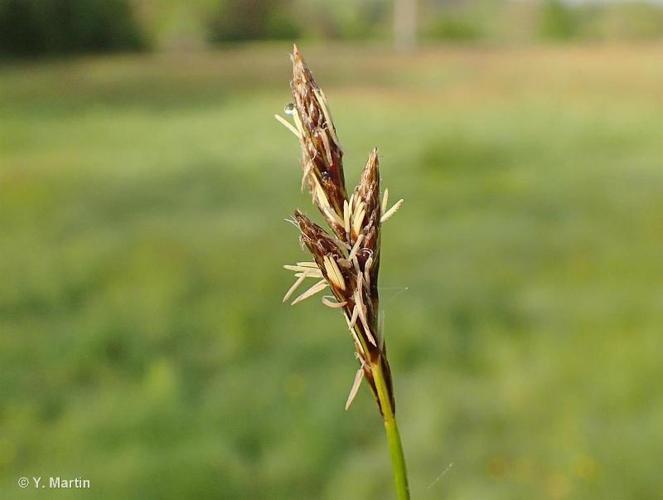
pixel 345 258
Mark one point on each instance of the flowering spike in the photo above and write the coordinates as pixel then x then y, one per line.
pixel 347 258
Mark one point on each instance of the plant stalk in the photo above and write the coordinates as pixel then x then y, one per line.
pixel 393 436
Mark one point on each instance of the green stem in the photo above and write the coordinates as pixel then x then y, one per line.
pixel 393 436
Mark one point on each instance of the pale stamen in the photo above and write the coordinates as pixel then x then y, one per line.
pixel 367 269
pixel 346 217
pixel 361 307
pixel 353 319
pixel 358 217
pixel 391 211
pixel 318 287
pixel 351 325
pixel 355 248
pixel 321 197
pixel 334 272
pixel 355 387
pixel 288 125
pixel 310 273
pixel 334 304
pixel 294 287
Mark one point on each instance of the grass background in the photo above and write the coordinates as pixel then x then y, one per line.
pixel 143 341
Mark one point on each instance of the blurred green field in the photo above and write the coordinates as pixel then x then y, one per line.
pixel 143 343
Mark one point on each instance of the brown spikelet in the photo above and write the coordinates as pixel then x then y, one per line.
pixel 368 191
pixel 318 241
pixel 322 156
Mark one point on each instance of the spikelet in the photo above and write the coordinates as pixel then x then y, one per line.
pixel 322 156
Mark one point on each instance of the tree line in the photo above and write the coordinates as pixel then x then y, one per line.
pixel 52 27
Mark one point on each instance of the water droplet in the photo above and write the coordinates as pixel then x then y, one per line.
pixel 289 109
